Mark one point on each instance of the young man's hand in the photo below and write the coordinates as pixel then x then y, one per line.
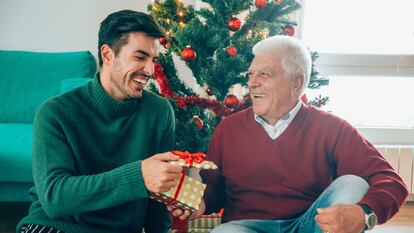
pixel 159 175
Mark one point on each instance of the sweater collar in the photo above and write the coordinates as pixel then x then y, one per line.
pixel 107 105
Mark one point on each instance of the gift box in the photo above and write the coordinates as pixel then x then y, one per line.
pixel 199 230
pixel 188 192
pixel 204 222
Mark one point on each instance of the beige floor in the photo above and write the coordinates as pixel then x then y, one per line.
pixel 403 222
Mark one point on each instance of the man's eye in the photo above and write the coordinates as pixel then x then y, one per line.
pixel 140 58
pixel 264 74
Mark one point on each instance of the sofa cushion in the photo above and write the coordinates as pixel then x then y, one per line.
pixel 71 83
pixel 16 152
pixel 29 78
pixel 15 191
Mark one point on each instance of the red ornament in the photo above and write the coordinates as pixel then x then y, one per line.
pixel 260 3
pixel 231 101
pixel 209 91
pixel 278 1
pixel 165 42
pixel 304 99
pixel 231 51
pixel 234 24
pixel 188 54
pixel 289 30
pixel 198 121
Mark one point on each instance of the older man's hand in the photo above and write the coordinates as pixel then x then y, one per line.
pixel 341 219
pixel 184 214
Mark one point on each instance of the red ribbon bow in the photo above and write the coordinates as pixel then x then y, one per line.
pixel 189 157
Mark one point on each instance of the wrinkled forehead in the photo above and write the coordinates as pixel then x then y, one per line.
pixel 265 61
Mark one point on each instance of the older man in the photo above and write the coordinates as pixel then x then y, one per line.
pixel 285 166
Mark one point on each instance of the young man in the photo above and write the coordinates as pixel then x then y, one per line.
pixel 100 148
pixel 288 167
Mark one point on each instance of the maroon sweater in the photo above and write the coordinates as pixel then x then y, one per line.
pixel 261 178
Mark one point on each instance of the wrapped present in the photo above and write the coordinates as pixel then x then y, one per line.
pixel 188 192
pixel 199 230
pixel 205 222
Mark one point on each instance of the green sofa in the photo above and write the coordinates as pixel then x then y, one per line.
pixel 26 80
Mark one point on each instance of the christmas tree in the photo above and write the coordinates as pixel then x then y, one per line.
pixel 215 42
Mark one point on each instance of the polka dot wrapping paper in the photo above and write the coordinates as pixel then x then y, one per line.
pixel 188 192
pixel 189 196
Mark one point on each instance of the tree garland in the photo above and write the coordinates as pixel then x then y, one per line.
pixel 184 101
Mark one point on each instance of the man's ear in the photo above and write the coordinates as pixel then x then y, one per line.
pixel 297 84
pixel 107 54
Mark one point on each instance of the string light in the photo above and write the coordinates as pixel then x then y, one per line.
pixel 263 34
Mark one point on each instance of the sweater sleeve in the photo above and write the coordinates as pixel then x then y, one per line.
pixel 214 193
pixel 158 219
pixel 60 190
pixel 355 155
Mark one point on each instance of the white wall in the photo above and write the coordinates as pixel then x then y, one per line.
pixel 57 25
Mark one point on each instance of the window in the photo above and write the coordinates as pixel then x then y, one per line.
pixel 362 27
pixel 367 51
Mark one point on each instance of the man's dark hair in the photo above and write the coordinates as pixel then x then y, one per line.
pixel 116 27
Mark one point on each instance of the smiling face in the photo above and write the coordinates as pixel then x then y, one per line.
pixel 125 75
pixel 272 93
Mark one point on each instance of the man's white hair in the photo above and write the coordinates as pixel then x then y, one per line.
pixel 295 56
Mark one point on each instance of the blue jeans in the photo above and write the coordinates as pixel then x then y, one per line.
pixel 347 189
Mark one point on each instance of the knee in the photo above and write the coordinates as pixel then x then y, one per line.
pixel 348 189
pixel 352 181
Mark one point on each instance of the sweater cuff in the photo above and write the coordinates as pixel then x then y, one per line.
pixel 128 182
pixel 376 203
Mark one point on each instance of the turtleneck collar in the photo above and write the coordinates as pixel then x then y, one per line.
pixel 107 105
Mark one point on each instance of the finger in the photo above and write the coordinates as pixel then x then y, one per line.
pixel 327 210
pixel 165 187
pixel 322 210
pixel 170 208
pixel 170 178
pixel 167 156
pixel 196 214
pixel 185 215
pixel 324 227
pixel 322 219
pixel 177 212
pixel 173 168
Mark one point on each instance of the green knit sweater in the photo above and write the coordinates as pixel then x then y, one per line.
pixel 87 154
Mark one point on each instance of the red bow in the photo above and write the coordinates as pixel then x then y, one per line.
pixel 190 158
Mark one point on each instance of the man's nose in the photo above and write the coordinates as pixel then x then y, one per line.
pixel 252 81
pixel 149 68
